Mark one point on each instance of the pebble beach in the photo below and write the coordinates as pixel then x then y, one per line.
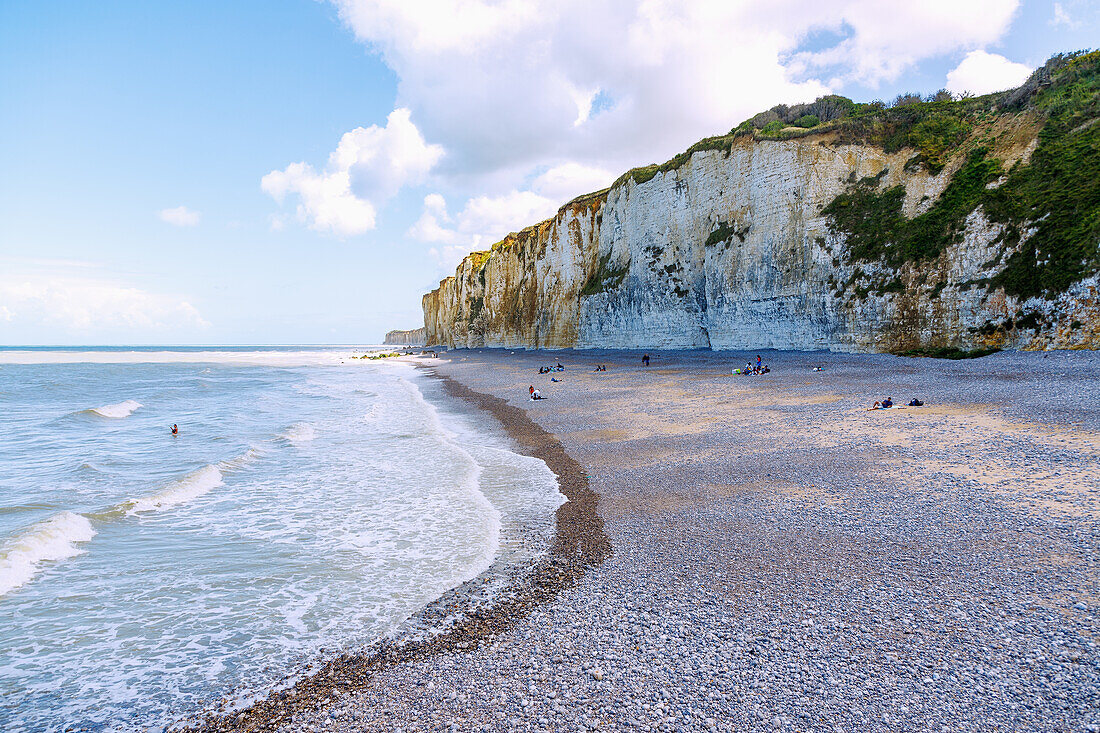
pixel 746 553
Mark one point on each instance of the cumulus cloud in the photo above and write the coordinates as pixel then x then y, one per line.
pixel 512 84
pixel 76 301
pixel 368 167
pixel 181 216
pixel 432 224
pixel 880 40
pixel 447 258
pixel 569 180
pixel 483 221
pixel 519 92
pixel 982 72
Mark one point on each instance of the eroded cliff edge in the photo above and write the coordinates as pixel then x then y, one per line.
pixel 958 223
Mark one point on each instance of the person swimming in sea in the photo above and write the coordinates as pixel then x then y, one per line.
pixel 175 429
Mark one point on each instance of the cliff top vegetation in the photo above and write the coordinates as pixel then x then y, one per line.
pixel 932 124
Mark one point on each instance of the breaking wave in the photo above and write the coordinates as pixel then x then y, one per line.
pixel 122 409
pixel 48 541
pixel 180 491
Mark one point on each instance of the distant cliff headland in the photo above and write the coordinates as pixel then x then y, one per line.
pixel 412 337
pixel 932 223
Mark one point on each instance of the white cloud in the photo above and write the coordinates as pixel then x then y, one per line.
pixel 508 87
pixel 982 72
pixel 1062 18
pixel 368 167
pixel 518 92
pixel 447 258
pixel 883 39
pixel 430 227
pixel 75 301
pixel 569 180
pixel 181 216
pixel 484 220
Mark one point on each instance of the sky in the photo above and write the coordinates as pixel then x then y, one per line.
pixel 302 172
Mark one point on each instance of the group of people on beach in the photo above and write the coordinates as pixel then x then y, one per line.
pixel 889 402
pixel 548 369
pixel 750 368
pixel 600 368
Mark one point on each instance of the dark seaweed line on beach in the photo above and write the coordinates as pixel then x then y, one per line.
pixel 579 543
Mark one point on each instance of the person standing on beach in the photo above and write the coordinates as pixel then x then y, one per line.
pixel 645 359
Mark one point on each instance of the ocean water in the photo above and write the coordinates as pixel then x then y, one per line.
pixel 309 505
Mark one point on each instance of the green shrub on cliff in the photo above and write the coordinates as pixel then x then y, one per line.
pixel 1056 194
pixel 1058 191
pixel 877 230
pixel 604 278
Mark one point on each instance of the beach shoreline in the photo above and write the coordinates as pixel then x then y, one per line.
pixel 462 618
pixel 783 558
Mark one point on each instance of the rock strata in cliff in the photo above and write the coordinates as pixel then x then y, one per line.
pixel 412 337
pixel 948 223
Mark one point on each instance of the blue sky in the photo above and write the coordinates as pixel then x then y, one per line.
pixel 150 186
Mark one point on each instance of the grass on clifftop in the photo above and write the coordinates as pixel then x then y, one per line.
pixel 1057 193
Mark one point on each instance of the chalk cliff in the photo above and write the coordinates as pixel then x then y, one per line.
pixel 411 337
pixel 941 224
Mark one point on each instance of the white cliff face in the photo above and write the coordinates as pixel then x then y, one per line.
pixel 656 279
pixel 412 337
pixel 527 293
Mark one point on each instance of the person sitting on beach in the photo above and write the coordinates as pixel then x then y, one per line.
pixel 765 370
pixel 560 367
pixel 915 403
pixel 888 402
pixel 817 369
pixel 535 394
pixel 554 379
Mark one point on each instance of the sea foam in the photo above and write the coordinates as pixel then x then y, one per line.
pixel 180 491
pixel 121 409
pixel 48 541
pixel 301 432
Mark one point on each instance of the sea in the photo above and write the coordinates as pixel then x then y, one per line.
pixel 311 503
